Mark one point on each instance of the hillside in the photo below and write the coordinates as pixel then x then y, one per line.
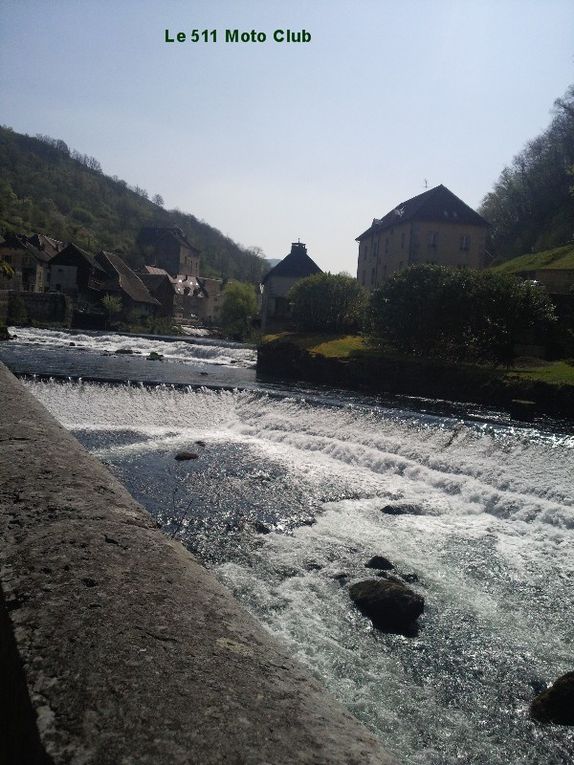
pixel 531 207
pixel 558 258
pixel 46 188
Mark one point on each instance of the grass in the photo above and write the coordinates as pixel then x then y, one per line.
pixel 330 346
pixel 558 258
pixel 552 372
pixel 353 346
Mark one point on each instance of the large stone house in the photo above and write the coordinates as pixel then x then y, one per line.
pixel 275 306
pixel 169 249
pixel 433 227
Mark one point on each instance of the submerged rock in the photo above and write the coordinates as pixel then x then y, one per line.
pixel 200 443
pixel 181 456
pixel 556 704
pixel 401 510
pixel 380 562
pixel 124 351
pixel 390 605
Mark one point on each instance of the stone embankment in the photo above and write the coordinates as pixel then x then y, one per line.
pixel 281 359
pixel 116 646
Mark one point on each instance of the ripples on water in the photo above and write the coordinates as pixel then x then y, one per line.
pixel 492 547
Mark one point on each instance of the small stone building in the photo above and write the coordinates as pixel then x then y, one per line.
pixel 275 306
pixel 433 227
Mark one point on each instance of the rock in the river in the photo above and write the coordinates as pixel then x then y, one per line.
pixel 124 351
pixel 556 704
pixel 154 356
pixel 401 510
pixel 390 605
pixel 181 456
pixel 380 562
pixel 261 528
pixel 200 443
pixel 4 334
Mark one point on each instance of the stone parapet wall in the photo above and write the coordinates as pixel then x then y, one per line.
pixel 118 646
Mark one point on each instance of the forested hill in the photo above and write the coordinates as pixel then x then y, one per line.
pixel 46 188
pixel 531 207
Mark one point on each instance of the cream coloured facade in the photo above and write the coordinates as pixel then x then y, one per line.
pixel 435 227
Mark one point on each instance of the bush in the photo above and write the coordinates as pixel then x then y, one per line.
pixel 328 303
pixel 238 310
pixel 459 314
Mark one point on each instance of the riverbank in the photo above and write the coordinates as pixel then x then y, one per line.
pixel 348 362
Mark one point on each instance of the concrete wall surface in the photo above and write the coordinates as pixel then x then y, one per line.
pixel 116 646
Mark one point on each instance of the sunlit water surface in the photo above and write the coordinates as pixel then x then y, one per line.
pixel 492 546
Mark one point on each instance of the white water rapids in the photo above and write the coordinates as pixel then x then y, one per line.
pixel 492 546
pixel 197 350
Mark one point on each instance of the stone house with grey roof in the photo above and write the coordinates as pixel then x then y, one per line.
pixel 124 283
pixel 275 305
pixel 433 227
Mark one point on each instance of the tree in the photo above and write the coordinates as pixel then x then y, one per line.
pixel 238 309
pixel 459 314
pixel 157 199
pixel 532 205
pixel 6 270
pixel 112 306
pixel 328 303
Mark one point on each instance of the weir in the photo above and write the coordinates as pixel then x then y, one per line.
pixel 116 645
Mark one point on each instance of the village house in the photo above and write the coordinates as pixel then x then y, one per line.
pixel 275 306
pixel 433 227
pixel 188 297
pixel 76 273
pixel 125 284
pixel 169 249
pixel 29 258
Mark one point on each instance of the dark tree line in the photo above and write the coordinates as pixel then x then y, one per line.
pixel 531 207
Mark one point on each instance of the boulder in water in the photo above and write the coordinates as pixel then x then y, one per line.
pixel 182 456
pixel 406 509
pixel 124 351
pixel 155 356
pixel 555 704
pixel 390 605
pixel 261 528
pixel 380 562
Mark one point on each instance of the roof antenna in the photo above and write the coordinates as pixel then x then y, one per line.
pixel 426 184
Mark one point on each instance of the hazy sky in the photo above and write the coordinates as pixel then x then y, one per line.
pixel 270 142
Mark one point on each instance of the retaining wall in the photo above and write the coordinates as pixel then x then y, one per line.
pixel 116 646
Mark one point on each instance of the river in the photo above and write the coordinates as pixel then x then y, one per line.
pixel 284 503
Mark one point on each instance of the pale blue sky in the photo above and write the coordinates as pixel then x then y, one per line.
pixel 271 142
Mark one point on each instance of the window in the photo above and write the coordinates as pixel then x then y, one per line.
pixel 465 242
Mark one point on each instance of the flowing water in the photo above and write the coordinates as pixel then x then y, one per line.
pixel 489 536
pixel 284 503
